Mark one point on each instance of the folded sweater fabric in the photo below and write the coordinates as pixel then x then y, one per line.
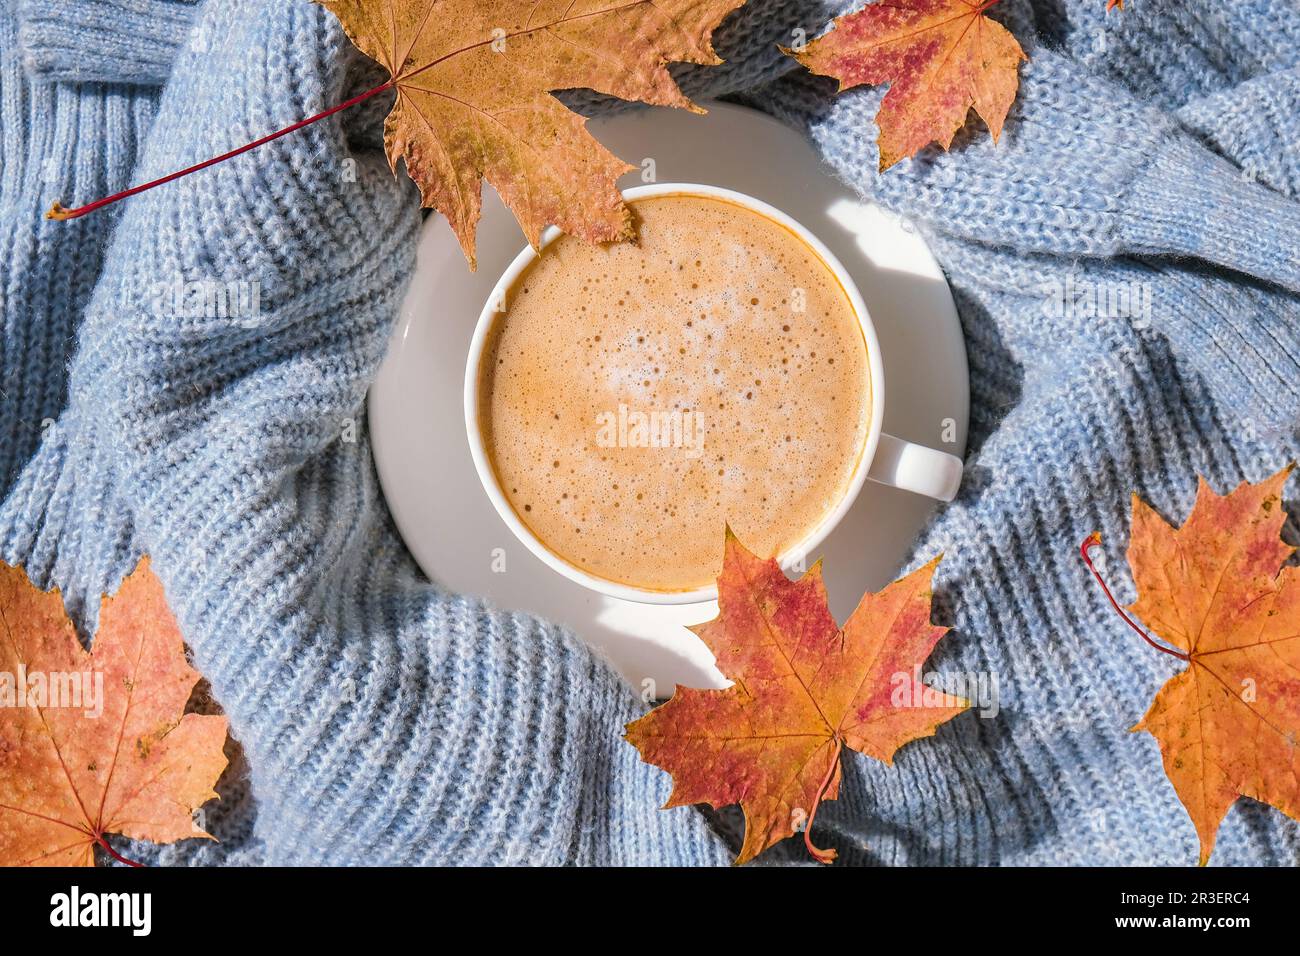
pixel 384 720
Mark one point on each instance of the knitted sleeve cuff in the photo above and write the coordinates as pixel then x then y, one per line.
pixel 1244 342
pixel 1254 124
pixel 1190 202
pixel 106 41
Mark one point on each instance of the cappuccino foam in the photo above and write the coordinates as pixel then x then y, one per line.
pixel 636 399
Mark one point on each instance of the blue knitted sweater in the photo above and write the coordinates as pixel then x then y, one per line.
pixel 384 720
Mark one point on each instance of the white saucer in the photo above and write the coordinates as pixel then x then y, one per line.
pixel 416 410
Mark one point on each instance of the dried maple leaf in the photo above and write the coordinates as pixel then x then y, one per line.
pixel 96 743
pixel 939 57
pixel 1112 4
pixel 474 82
pixel 1215 589
pixel 802 690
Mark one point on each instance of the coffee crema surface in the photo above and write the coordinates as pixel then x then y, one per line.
pixel 636 399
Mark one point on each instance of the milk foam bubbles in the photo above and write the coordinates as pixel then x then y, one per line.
pixel 636 399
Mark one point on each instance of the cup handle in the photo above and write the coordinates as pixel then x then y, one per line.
pixel 916 468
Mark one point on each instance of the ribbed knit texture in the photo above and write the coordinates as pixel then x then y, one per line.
pixel 383 720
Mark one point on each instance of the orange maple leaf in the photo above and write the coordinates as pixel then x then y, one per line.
pixel 802 690
pixel 474 82
pixel 1215 589
pixel 97 743
pixel 939 57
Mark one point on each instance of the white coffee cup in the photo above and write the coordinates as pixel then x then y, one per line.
pixel 884 458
